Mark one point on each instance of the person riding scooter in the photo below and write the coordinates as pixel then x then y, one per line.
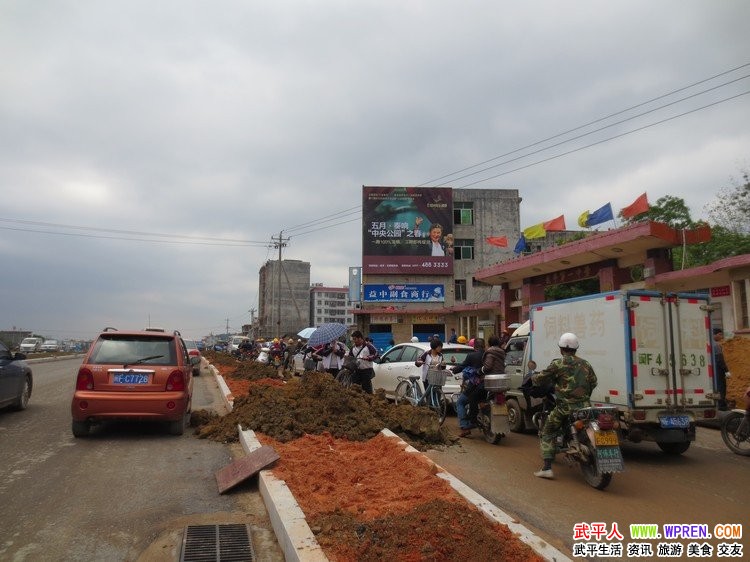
pixel 574 380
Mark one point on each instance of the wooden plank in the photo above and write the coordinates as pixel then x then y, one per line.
pixel 242 469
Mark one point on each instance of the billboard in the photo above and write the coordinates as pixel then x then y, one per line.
pixel 406 292
pixel 407 230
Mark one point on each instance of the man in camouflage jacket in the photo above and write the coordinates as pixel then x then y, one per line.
pixel 574 380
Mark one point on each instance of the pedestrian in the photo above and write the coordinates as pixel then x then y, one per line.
pixel 504 337
pixel 332 356
pixel 365 353
pixel 430 360
pixel 470 366
pixel 574 381
pixel 721 369
pixel 454 336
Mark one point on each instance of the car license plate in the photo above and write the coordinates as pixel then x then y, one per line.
pixel 606 439
pixel 671 422
pixel 130 378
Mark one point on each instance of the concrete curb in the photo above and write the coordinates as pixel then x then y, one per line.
pixel 298 541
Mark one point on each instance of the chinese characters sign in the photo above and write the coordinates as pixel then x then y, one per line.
pixel 422 292
pixel 407 230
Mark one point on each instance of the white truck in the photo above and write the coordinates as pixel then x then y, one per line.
pixel 31 345
pixel 631 338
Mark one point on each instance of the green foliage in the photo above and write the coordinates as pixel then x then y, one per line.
pixel 731 209
pixel 569 290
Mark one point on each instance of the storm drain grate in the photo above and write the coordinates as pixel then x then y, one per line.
pixel 217 543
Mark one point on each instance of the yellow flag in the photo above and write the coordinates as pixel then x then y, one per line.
pixel 536 231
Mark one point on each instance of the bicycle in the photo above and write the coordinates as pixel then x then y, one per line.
pixel 409 390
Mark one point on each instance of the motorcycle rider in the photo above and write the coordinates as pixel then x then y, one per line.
pixel 574 380
pixel 466 405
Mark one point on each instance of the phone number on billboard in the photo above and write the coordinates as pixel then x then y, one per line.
pixel 435 264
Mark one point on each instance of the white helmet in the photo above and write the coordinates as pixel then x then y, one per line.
pixel 568 341
pixel 414 339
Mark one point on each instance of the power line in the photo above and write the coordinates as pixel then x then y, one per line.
pixel 600 129
pixel 588 124
pixel 605 140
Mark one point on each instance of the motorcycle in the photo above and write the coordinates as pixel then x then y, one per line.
pixel 735 431
pixel 492 415
pixel 588 438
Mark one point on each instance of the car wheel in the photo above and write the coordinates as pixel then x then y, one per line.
pixel 674 448
pixel 177 427
pixel 80 429
pixel 515 416
pixel 23 398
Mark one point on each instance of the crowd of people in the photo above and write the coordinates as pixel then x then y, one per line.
pixel 572 377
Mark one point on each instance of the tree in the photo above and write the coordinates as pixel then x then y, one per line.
pixel 731 208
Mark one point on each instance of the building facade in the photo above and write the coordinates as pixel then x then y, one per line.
pixel 330 304
pixel 283 298
pixel 420 295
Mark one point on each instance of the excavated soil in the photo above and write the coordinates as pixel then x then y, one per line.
pixel 737 355
pixel 363 496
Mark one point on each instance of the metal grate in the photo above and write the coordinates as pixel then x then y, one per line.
pixel 217 543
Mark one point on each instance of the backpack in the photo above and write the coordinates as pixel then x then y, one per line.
pixel 471 375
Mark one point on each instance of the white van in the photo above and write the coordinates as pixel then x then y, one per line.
pixel 31 345
pixel 234 343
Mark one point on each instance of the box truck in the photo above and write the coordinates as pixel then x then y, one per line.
pixel 652 354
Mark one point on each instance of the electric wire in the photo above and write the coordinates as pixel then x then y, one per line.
pixel 595 121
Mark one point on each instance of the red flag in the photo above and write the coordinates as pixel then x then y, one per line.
pixel 555 224
pixel 637 207
pixel 501 241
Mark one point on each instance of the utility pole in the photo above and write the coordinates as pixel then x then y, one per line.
pixel 281 243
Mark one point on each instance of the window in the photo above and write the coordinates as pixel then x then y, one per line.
pixel 463 212
pixel 460 289
pixel 463 249
pixel 743 316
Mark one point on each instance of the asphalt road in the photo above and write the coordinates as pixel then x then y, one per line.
pixel 127 492
pixel 705 485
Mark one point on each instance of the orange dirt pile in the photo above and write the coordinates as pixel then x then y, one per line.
pixel 373 501
pixel 364 497
pixel 737 355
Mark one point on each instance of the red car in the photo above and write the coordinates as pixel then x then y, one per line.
pixel 193 351
pixel 134 375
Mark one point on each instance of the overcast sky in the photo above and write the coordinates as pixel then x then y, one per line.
pixel 149 151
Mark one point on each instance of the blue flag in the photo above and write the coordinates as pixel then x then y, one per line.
pixel 603 214
pixel 520 245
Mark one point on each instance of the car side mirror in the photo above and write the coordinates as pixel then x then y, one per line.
pixel 19 356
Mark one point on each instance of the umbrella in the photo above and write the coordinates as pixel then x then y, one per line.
pixel 326 333
pixel 306 333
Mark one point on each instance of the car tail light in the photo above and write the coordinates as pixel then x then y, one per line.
pixel 176 381
pixel 85 380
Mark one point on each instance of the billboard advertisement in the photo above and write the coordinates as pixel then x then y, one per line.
pixel 407 230
pixel 407 292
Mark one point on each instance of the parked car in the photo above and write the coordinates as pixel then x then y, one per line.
pixel 399 361
pixel 193 351
pixel 16 381
pixel 51 345
pixel 30 345
pixel 134 375
pixel 234 343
